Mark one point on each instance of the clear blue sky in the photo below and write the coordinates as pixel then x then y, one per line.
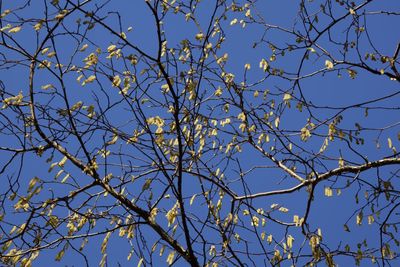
pixel 328 90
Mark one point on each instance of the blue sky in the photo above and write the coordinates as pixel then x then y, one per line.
pixel 327 91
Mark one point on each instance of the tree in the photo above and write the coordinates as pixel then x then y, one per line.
pixel 202 133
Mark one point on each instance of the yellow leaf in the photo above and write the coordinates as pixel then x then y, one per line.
pixel 212 251
pixel 32 183
pixel 90 79
pixel 38 26
pixel 25 262
pixel 47 86
pixel 289 241
pixel 111 48
pixel 58 174
pixel 218 92
pixel 116 81
pixel 60 255
pixel 264 65
pixel 328 64
pixel 15 29
pixel 199 36
pixel 277 120
pixel 51 54
pixel 269 239
pixel 61 15
pixel 165 88
pixel 390 144
pixel 274 206
pixel 328 192
pixel 283 209
pixel 359 218
pixel 298 221
pixel 192 199
pixel 162 250
pixel 62 162
pixel 242 127
pixel 44 50
pixel 170 258
pixel 171 214
pixel 287 97
pixel 5 13
pixel 241 116
pixel 352 73
pixel 341 162
pixel 103 260
pixel 65 178
pixel 84 47
pixel 255 221
pixel 146 184
pixel 105 242
pixel 371 219
pixel 262 235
